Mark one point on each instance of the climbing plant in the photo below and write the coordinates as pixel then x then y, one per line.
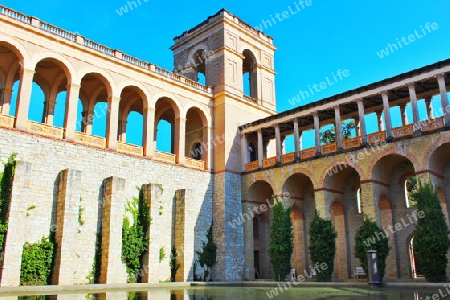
pixel 96 264
pixel 207 255
pixel 37 263
pixel 281 240
pixel 174 266
pixel 6 179
pixel 322 245
pixel 134 236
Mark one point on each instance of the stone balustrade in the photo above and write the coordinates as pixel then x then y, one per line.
pixel 287 158
pixel 308 153
pixel 329 148
pixel 403 131
pixel 90 140
pixel 269 162
pixel 165 157
pixel 130 149
pixel 7 121
pixel 251 166
pixel 44 129
pixel 352 143
pixel 194 163
pixel 376 137
pixel 433 124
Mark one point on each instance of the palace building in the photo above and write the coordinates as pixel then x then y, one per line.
pixel 228 152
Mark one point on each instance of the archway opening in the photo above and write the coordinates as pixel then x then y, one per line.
pixel 131 119
pixel 250 74
pixel 166 114
pixel 11 62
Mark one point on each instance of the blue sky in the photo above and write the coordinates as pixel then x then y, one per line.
pixel 312 44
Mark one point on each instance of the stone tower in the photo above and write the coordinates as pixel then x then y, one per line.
pixel 238 62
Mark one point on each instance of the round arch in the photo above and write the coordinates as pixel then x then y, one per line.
pixel 19 50
pixel 206 119
pixel 141 89
pixel 202 46
pixel 105 77
pixel 336 166
pixel 59 60
pixel 408 155
pixel 175 103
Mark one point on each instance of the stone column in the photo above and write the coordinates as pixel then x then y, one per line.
pixel 122 131
pixel 112 122
pixel 184 234
pixel 49 108
pixel 152 194
pixel 260 149
pixel 444 98
pixel 70 120
pixel 66 234
pixel 207 150
pixel 6 101
pixel 278 143
pixel 338 125
pixel 357 126
pixel 429 107
pixel 403 114
pixel 415 111
pixel 387 115
pixel 321 205
pixel 88 117
pixel 149 132
pixel 113 271
pixel 244 151
pixel 17 226
pixel 317 132
pixel 180 137
pixel 369 203
pixel 380 121
pixel 297 148
pixel 248 243
pixel 23 101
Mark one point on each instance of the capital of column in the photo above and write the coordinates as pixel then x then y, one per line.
pixel 336 108
pixel 359 101
pixel 181 120
pixel 73 86
pixel 315 113
pixel 440 76
pixel 114 99
pixel 384 94
pixel 28 72
pixel 411 84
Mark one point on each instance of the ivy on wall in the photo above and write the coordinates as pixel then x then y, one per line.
pixel 6 179
pixel 37 261
pixel 134 236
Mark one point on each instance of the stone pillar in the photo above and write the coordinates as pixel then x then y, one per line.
pixel 184 234
pixel 23 101
pixel 88 117
pixel 152 194
pixel 278 143
pixel 444 98
pixel 17 227
pixel 403 114
pixel 122 131
pixel 387 115
pixel 321 205
pixel 297 147
pixel 49 108
pixel 380 121
pixel 338 126
pixel 248 243
pixel 6 101
pixel 244 151
pixel 317 132
pixel 112 122
pixel 70 120
pixel 429 107
pixel 207 150
pixel 149 132
pixel 415 111
pixel 260 149
pixel 113 271
pixel 66 234
pixel 180 137
pixel 357 126
pixel 369 203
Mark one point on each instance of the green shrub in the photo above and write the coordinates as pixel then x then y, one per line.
pixel 37 261
pixel 207 256
pixel 281 240
pixel 6 180
pixel 371 237
pixel 174 266
pixel 322 246
pixel 431 241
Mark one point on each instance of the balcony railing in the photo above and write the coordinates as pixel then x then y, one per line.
pixel 165 157
pixel 269 162
pixel 7 121
pixel 287 158
pixel 376 137
pixel 352 143
pixel 194 163
pixel 403 131
pixel 90 140
pixel 329 148
pixel 251 166
pixel 433 124
pixel 44 129
pixel 130 149
pixel 308 153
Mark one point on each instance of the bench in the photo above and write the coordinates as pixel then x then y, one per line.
pixel 359 271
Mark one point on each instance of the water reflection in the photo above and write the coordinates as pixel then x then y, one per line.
pixel 252 293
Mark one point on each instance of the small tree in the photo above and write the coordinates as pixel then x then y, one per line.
pixel 371 237
pixel 322 245
pixel 281 245
pixel 207 256
pixel 174 266
pixel 329 135
pixel 431 241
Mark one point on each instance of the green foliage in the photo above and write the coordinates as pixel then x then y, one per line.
pixel 96 265
pixel 322 245
pixel 281 240
pixel 80 213
pixel 174 266
pixel 37 261
pixel 329 135
pixel 371 237
pixel 6 179
pixel 134 236
pixel 411 186
pixel 431 241
pixel 30 208
pixel 208 255
pixel 162 254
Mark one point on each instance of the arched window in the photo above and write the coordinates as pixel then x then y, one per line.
pixel 358 201
pixel 252 155
pixel 249 72
pixel 410 187
pixel 198 60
